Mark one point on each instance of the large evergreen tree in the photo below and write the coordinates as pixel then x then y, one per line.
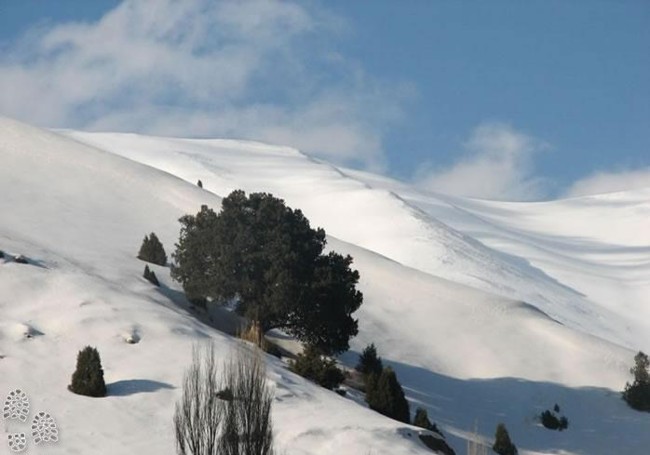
pixel 88 378
pixel 325 321
pixel 384 394
pixel 266 258
pixel 637 394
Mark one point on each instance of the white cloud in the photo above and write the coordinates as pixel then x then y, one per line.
pixel 498 165
pixel 259 69
pixel 609 182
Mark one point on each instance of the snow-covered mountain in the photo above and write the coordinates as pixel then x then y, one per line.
pixel 488 311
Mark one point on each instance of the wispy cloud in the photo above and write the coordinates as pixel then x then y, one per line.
pixel 260 69
pixel 498 164
pixel 609 182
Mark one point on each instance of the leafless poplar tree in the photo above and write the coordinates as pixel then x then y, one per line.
pixel 227 413
pixel 199 413
pixel 247 423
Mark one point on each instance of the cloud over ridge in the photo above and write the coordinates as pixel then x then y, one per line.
pixel 250 69
pixel 610 182
pixel 498 164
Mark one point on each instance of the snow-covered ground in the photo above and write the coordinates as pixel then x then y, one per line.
pixel 489 312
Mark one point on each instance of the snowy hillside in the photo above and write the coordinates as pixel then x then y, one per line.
pixel 584 264
pixel 79 215
pixel 488 312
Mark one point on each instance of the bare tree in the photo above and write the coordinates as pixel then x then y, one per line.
pixel 247 424
pixel 199 414
pixel 474 445
pixel 228 414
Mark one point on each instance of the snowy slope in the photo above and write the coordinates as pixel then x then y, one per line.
pixel 432 233
pixel 597 245
pixel 443 303
pixel 347 208
pixel 79 215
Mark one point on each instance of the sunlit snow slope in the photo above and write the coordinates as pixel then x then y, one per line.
pixel 79 215
pixel 584 262
pixel 482 321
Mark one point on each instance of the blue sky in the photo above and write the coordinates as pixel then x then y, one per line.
pixel 501 99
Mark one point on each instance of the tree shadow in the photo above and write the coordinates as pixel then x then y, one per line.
pixel 24 260
pixel 600 422
pixel 176 296
pixel 135 386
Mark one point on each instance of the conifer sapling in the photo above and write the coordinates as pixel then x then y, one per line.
pixel 88 378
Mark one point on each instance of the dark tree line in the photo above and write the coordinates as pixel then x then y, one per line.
pixel 384 393
pixel 266 258
pixel 637 394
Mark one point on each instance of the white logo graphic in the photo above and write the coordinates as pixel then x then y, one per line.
pixel 44 430
pixel 17 442
pixel 16 406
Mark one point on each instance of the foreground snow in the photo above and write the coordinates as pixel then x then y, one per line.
pixel 444 280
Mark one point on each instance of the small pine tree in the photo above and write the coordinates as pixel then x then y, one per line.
pixel 637 394
pixel 369 361
pixel 152 250
pixel 502 443
pixel 553 420
pixel 421 420
pixel 314 366
pixel 150 276
pixel 88 378
pixel 199 184
pixel 2 254
pixel 640 368
pixel 384 394
pixel 550 421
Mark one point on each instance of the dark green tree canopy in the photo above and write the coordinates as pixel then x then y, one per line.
pixel 640 368
pixel 502 443
pixel 152 250
pixel 88 377
pixel 384 394
pixel 551 420
pixel 369 361
pixel 325 322
pixel 266 258
pixel 637 394
pixel 150 276
pixel 421 419
pixel 312 365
